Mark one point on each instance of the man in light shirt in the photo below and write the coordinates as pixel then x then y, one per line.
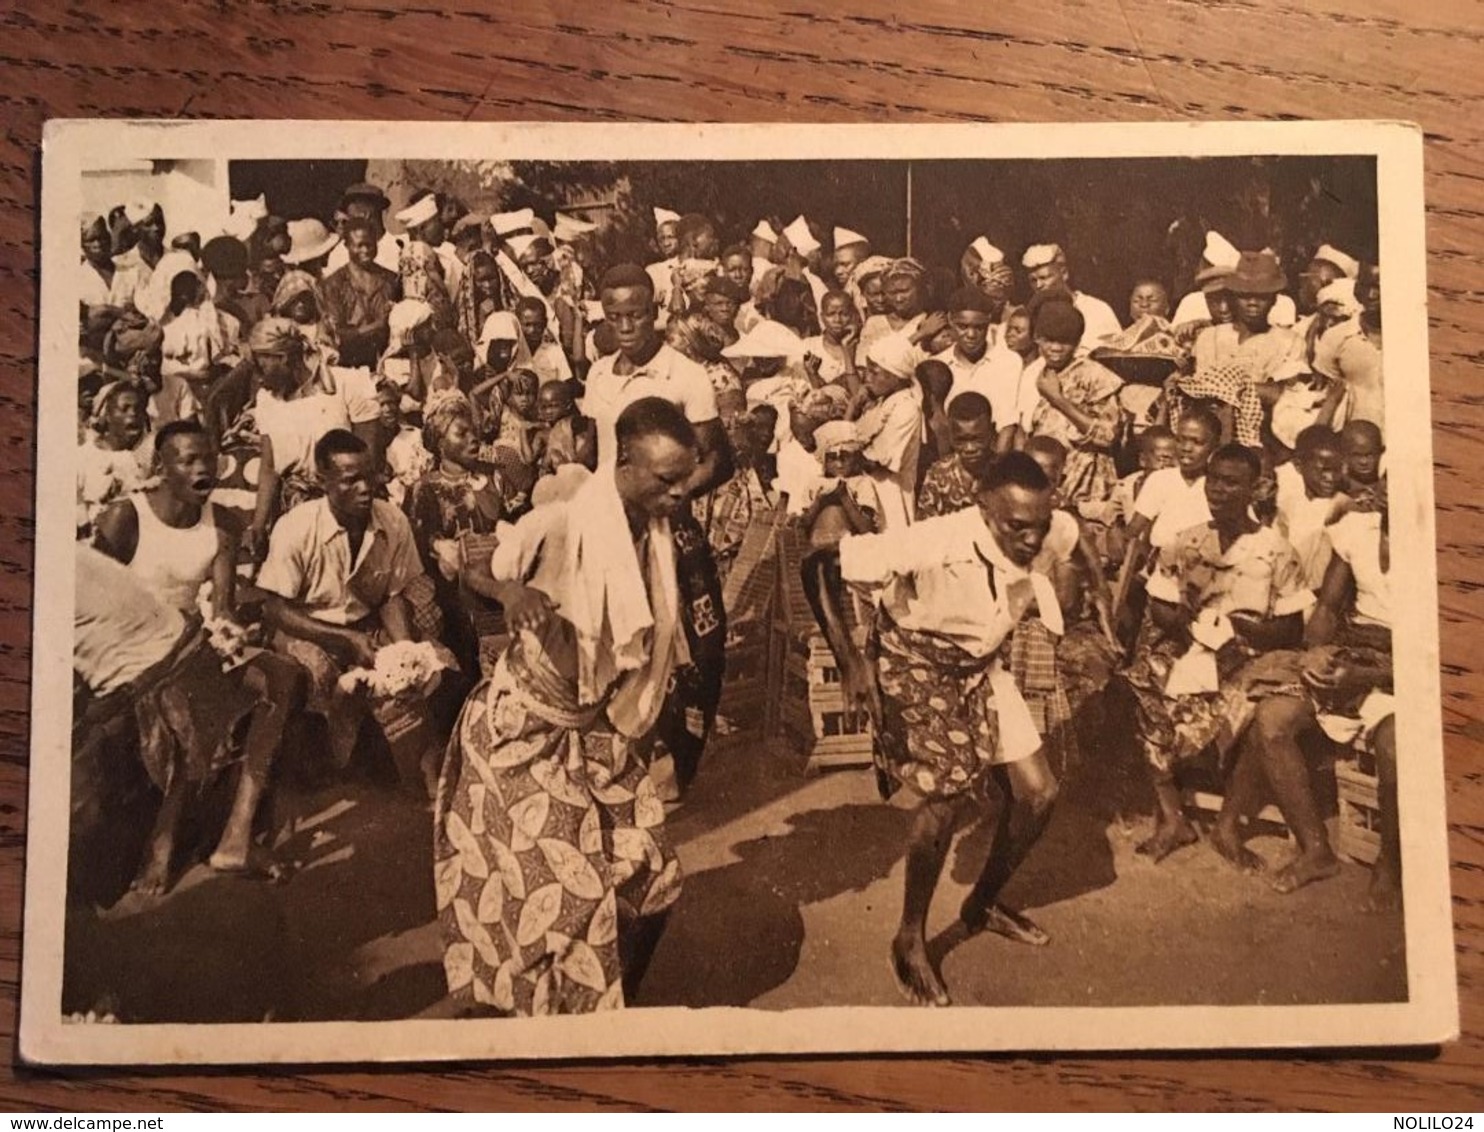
pixel 947 713
pixel 982 364
pixel 1047 264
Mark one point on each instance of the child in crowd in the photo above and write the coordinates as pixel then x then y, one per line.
pixel 407 459
pixel 829 356
pixel 571 438
pixel 843 493
pixel 1365 452
pixel 1107 520
pixel 536 348
pixel 1309 498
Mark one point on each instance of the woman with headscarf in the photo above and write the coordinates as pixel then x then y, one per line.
pixel 297 298
pixel 458 496
pixel 901 286
pixel 142 241
pixel 118 457
pixel 702 341
pixel 409 362
pixel 298 399
pixel 983 267
pixel 95 278
pixel 1079 403
pixel 866 286
pixel 199 341
pixel 478 298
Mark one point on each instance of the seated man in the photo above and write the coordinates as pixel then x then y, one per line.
pixel 1223 594
pixel 1348 672
pixel 335 575
pixel 134 654
pixel 175 541
pixel 1310 497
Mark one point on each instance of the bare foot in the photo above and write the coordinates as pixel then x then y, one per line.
pixel 235 863
pixel 1166 839
pixel 1385 891
pixel 1003 921
pixel 153 878
pixel 914 973
pixel 1228 845
pixel 1304 869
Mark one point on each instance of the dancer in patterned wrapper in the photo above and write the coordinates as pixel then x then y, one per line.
pixel 947 714
pixel 551 865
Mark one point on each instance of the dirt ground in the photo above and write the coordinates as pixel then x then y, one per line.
pixel 792 892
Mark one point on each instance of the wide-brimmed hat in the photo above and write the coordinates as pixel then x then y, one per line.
pixel 364 190
pixel 309 239
pixel 1256 273
pixel 1213 278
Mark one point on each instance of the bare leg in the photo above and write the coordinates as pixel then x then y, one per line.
pixel 1171 828
pixel 1386 875
pixel 1032 789
pixel 1243 793
pixel 153 878
pixel 343 716
pixel 281 689
pixel 927 846
pixel 1276 728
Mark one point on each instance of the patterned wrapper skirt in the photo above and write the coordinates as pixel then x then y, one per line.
pixel 939 734
pixel 1173 729
pixel 549 842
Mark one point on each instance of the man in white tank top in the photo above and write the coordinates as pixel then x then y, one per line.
pixel 174 540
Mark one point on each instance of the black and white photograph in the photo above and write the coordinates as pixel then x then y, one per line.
pixel 603 590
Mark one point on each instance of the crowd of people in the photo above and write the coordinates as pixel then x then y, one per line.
pixel 470 474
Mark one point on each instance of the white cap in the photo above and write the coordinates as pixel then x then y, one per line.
pixel 592 311
pixel 764 231
pixel 1341 291
pixel 988 254
pixel 800 238
pixel 520 244
pixel 665 216
pixel 844 237
pixel 767 339
pixel 894 353
pixel 419 212
pixel 508 223
pixel 568 228
pixel 1219 251
pixel 1348 265
pixel 1039 255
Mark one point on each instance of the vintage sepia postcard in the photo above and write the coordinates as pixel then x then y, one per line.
pixel 547 591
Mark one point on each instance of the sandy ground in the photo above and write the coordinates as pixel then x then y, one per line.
pixel 792 892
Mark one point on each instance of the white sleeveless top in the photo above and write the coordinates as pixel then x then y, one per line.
pixel 173 561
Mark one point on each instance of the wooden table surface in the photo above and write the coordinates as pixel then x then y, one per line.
pixel 741 60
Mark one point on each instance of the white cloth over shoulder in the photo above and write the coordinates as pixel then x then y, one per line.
pixel 581 554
